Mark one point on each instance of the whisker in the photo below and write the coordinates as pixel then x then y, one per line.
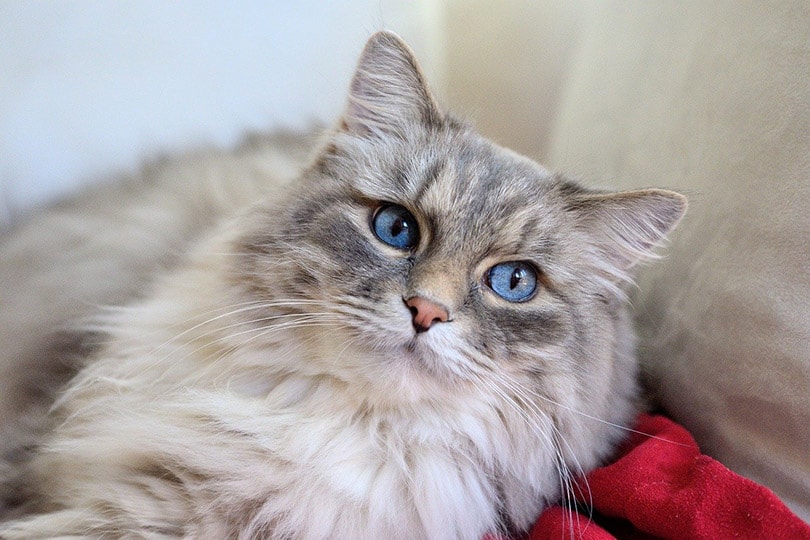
pixel 612 424
pixel 517 399
pixel 557 441
pixel 264 332
pixel 310 319
pixel 247 306
pixel 218 329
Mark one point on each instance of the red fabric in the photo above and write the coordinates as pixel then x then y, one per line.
pixel 661 486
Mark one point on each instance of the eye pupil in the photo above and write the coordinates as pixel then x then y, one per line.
pixel 395 226
pixel 398 226
pixel 514 281
pixel 517 276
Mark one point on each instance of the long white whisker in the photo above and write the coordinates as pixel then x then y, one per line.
pixel 264 332
pixel 220 329
pixel 248 306
pixel 519 401
pixel 567 485
pixel 606 422
pixel 305 319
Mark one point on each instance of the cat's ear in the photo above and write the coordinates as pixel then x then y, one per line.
pixel 388 92
pixel 627 226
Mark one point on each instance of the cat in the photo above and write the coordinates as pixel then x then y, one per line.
pixel 409 333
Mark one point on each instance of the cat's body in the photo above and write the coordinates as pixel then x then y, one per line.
pixel 425 338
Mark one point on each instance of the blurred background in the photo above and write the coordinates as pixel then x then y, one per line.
pixel 89 88
pixel 710 98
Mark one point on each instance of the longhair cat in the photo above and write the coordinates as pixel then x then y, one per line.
pixel 420 335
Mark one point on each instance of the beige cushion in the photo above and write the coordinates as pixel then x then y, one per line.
pixel 712 99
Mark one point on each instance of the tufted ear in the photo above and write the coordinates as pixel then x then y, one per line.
pixel 627 226
pixel 388 92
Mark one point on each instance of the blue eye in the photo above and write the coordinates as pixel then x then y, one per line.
pixel 514 281
pixel 395 226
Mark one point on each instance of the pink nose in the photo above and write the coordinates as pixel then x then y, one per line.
pixel 425 313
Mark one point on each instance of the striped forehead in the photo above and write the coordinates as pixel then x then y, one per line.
pixel 474 203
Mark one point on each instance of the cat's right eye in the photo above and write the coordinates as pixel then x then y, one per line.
pixel 396 226
pixel 514 281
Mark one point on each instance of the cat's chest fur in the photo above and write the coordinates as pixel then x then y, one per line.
pixel 251 451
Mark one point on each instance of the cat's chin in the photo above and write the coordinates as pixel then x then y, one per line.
pixel 429 354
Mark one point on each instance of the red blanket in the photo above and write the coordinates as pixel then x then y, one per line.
pixel 661 486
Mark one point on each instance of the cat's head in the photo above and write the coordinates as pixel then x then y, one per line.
pixel 419 250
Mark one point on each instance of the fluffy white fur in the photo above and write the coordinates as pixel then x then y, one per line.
pixel 267 381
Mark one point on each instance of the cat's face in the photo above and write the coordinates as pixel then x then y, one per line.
pixel 432 254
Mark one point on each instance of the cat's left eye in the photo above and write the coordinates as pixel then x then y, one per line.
pixel 395 226
pixel 514 281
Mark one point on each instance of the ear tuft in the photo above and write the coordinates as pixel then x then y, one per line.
pixel 388 92
pixel 627 226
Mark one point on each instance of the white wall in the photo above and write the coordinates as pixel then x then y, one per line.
pixel 91 87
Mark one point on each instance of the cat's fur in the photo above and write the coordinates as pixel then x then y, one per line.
pixel 262 378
